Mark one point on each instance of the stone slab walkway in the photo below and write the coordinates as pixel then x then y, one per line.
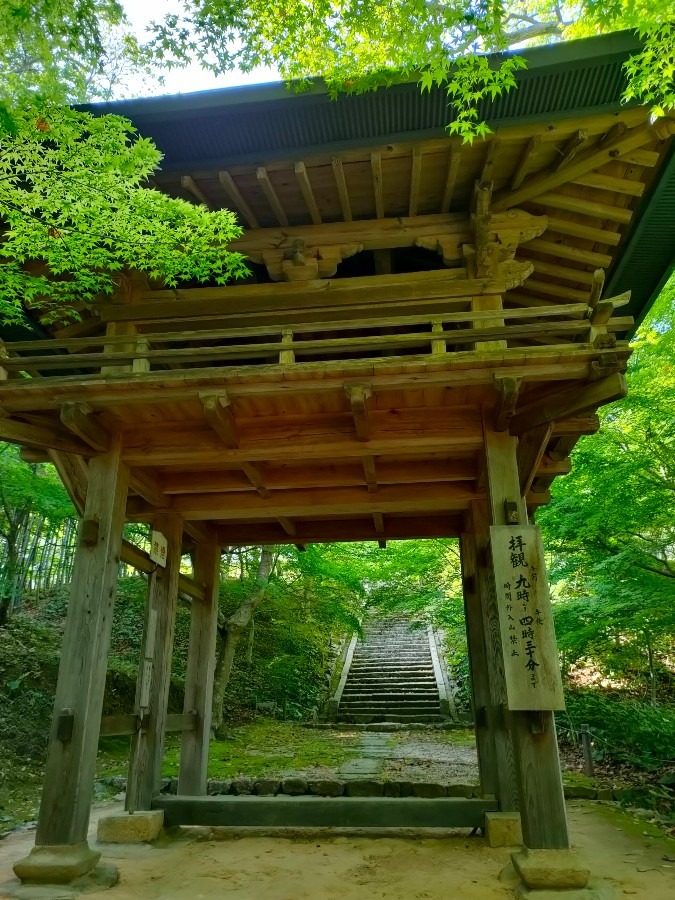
pixel 374 750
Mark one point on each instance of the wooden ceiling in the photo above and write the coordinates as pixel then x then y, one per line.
pixel 400 298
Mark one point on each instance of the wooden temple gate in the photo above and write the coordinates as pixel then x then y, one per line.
pixel 425 335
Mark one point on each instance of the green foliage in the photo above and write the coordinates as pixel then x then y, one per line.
pixel 625 730
pixel 358 46
pixel 72 196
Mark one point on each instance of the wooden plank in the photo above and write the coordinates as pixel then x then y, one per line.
pixel 378 184
pixel 235 195
pixel 484 711
pixel 415 175
pixel 181 722
pixel 568 402
pixel 201 659
pixel 341 184
pixel 144 775
pixel 119 725
pixel 307 192
pixel 71 758
pixel 540 794
pixel 268 190
pixel 583 164
pixel 322 812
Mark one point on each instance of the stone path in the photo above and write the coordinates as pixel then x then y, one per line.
pixel 374 749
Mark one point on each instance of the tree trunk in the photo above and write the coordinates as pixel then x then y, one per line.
pixel 652 670
pixel 231 630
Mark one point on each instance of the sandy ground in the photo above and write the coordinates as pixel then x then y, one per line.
pixel 206 863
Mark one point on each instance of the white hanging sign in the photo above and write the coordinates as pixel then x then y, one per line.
pixel 158 548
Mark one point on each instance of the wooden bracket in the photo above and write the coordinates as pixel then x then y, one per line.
pixel 508 388
pixel 358 395
pixel 220 417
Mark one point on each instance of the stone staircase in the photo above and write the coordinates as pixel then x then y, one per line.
pixel 391 677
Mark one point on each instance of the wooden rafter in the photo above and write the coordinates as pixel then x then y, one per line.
pixel 189 184
pixel 454 159
pixel 370 473
pixel 235 195
pixel 341 184
pixel 526 161
pixel 415 176
pixel 572 147
pixel 307 192
pixel 378 184
pixel 268 190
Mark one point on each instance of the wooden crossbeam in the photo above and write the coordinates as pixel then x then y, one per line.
pixel 378 185
pixel 46 436
pixel 188 182
pixel 568 402
pixel 271 195
pixel 307 192
pixel 341 184
pixel 237 198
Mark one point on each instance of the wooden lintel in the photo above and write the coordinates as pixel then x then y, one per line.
pixel 188 182
pixel 220 417
pixel 508 388
pixel 531 447
pixel 237 198
pixel 569 402
pixel 358 395
pixel 271 195
pixel 307 192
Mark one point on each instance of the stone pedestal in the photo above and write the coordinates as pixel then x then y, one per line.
pixel 503 829
pixel 131 828
pixel 56 863
pixel 550 869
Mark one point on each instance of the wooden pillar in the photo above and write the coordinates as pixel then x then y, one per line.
pixel 484 710
pixel 71 759
pixel 506 788
pixel 540 790
pixel 194 754
pixel 154 672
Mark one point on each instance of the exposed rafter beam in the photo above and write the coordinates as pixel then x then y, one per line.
pixel 307 192
pixel 341 184
pixel 572 147
pixel 268 190
pixel 189 184
pixel 237 198
pixel 415 176
pixel 454 160
pixel 77 419
pixel 370 472
pixel 526 161
pixel 378 185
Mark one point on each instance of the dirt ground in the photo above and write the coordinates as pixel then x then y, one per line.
pixel 206 863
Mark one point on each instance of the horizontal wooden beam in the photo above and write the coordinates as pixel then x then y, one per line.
pixel 322 532
pixel 139 559
pixel 122 724
pixel 47 436
pixel 324 502
pixel 338 475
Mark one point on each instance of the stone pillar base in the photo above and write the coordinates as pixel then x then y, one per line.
pixel 56 864
pixel 502 829
pixel 131 828
pixel 550 869
pixel 595 890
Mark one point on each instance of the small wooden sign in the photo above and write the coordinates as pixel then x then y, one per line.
pixel 158 548
pixel 531 666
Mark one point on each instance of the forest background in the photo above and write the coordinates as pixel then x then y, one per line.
pixel 610 529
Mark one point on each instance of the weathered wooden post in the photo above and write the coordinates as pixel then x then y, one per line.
pixel 194 753
pixel 154 675
pixel 61 851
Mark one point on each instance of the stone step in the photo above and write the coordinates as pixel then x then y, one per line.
pixel 366 720
pixel 402 706
pixel 394 683
pixel 391 696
